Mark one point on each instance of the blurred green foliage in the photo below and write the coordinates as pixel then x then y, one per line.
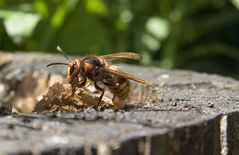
pixel 202 35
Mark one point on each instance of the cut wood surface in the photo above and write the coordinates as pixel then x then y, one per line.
pixel 185 113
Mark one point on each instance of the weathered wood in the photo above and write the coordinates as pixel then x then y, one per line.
pixel 187 113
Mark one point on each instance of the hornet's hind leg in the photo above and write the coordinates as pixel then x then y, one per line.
pixel 102 92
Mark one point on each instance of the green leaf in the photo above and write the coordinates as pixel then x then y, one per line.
pixel 151 42
pixel 61 12
pixel 19 25
pixel 96 6
pixel 158 27
pixel 235 3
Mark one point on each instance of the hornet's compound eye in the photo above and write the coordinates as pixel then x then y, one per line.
pixel 71 68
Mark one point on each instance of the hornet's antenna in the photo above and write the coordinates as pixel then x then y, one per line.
pixel 57 63
pixel 60 50
pixel 60 63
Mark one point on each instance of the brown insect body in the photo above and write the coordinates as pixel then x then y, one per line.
pixel 92 68
pixel 96 69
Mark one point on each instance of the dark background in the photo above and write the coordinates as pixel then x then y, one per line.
pixel 201 35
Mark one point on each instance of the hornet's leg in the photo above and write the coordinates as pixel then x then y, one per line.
pixel 102 94
pixel 113 98
pixel 79 85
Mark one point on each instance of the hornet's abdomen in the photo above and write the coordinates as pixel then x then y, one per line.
pixel 119 88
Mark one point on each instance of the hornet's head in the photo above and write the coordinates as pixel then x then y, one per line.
pixel 73 66
pixel 73 70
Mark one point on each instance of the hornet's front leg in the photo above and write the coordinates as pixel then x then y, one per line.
pixel 78 83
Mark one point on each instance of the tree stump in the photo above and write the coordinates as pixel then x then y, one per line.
pixel 185 113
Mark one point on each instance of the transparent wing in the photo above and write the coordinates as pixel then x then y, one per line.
pixel 126 75
pixel 126 55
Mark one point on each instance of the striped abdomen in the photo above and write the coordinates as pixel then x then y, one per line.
pixel 120 89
